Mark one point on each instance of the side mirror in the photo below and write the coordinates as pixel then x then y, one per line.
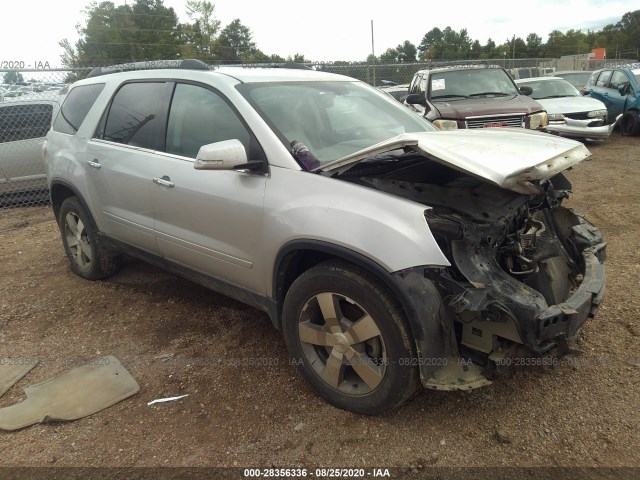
pixel 526 90
pixel 622 89
pixel 416 99
pixel 225 155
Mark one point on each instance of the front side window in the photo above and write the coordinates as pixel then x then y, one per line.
pixel 24 122
pixel 618 78
pixel 76 107
pixel 132 117
pixel 198 117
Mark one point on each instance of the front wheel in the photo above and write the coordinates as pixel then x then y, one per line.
pixel 630 124
pixel 87 256
pixel 349 338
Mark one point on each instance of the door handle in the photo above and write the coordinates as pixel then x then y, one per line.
pixel 94 163
pixel 164 182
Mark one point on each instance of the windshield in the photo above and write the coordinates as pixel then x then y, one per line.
pixel 551 89
pixel 470 83
pixel 578 79
pixel 331 119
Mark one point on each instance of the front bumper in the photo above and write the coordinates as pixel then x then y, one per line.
pixel 592 128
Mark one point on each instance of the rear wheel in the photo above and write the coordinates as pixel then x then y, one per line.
pixel 630 123
pixel 349 338
pixel 87 256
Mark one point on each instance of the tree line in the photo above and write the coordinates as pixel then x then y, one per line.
pixel 622 40
pixel 148 30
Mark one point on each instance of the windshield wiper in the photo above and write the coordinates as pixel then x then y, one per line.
pixel 502 94
pixel 448 96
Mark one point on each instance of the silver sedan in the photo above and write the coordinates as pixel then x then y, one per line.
pixel 570 113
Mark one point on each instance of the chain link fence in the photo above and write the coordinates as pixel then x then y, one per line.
pixel 31 99
pixel 29 102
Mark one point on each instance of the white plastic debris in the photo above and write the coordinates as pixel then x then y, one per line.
pixel 168 399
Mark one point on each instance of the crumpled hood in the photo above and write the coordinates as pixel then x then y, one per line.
pixel 509 158
pixel 571 104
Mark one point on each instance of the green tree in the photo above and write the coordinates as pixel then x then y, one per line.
pixel 445 44
pixel 429 44
pixel 534 41
pixel 489 49
pixel 234 45
pixel 476 50
pixel 201 35
pixel 12 77
pixel 145 30
pixel 155 33
pixel 404 53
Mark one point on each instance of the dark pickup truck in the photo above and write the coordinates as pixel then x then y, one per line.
pixel 473 96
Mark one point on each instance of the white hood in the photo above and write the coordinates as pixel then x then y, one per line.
pixel 509 158
pixel 566 105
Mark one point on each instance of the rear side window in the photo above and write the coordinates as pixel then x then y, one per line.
pixel 133 116
pixel 75 108
pixel 603 79
pixel 23 122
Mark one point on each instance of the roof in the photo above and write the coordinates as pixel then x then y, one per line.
pixel 188 67
pixel 441 67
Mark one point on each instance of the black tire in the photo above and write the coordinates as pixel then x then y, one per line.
pixel 87 256
pixel 355 369
pixel 630 124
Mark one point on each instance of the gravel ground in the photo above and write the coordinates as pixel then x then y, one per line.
pixel 178 338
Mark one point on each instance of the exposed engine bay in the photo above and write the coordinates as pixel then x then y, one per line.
pixel 525 271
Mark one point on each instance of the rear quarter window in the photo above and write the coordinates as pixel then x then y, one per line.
pixel 24 122
pixel 76 107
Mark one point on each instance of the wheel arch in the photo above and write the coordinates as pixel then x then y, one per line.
pixel 429 321
pixel 298 256
pixel 60 190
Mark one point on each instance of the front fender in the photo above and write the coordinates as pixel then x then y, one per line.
pixel 388 230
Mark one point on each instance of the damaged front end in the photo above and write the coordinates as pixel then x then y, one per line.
pixel 526 272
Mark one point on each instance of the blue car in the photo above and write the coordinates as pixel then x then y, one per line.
pixel 618 87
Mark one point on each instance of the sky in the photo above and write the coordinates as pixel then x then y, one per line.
pixel 323 30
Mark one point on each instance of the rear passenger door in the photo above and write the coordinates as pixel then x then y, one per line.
pixel 208 220
pixel 600 88
pixel 121 162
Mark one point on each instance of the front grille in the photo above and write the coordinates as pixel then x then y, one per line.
pixel 496 121
pixel 578 116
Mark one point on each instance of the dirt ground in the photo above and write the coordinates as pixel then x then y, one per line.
pixel 179 338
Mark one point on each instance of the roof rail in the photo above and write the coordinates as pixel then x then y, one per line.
pixel 186 64
pixel 290 65
pixel 460 64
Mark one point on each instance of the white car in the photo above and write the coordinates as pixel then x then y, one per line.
pixel 24 122
pixel 570 113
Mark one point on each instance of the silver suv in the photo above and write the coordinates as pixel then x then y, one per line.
pixel 390 254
